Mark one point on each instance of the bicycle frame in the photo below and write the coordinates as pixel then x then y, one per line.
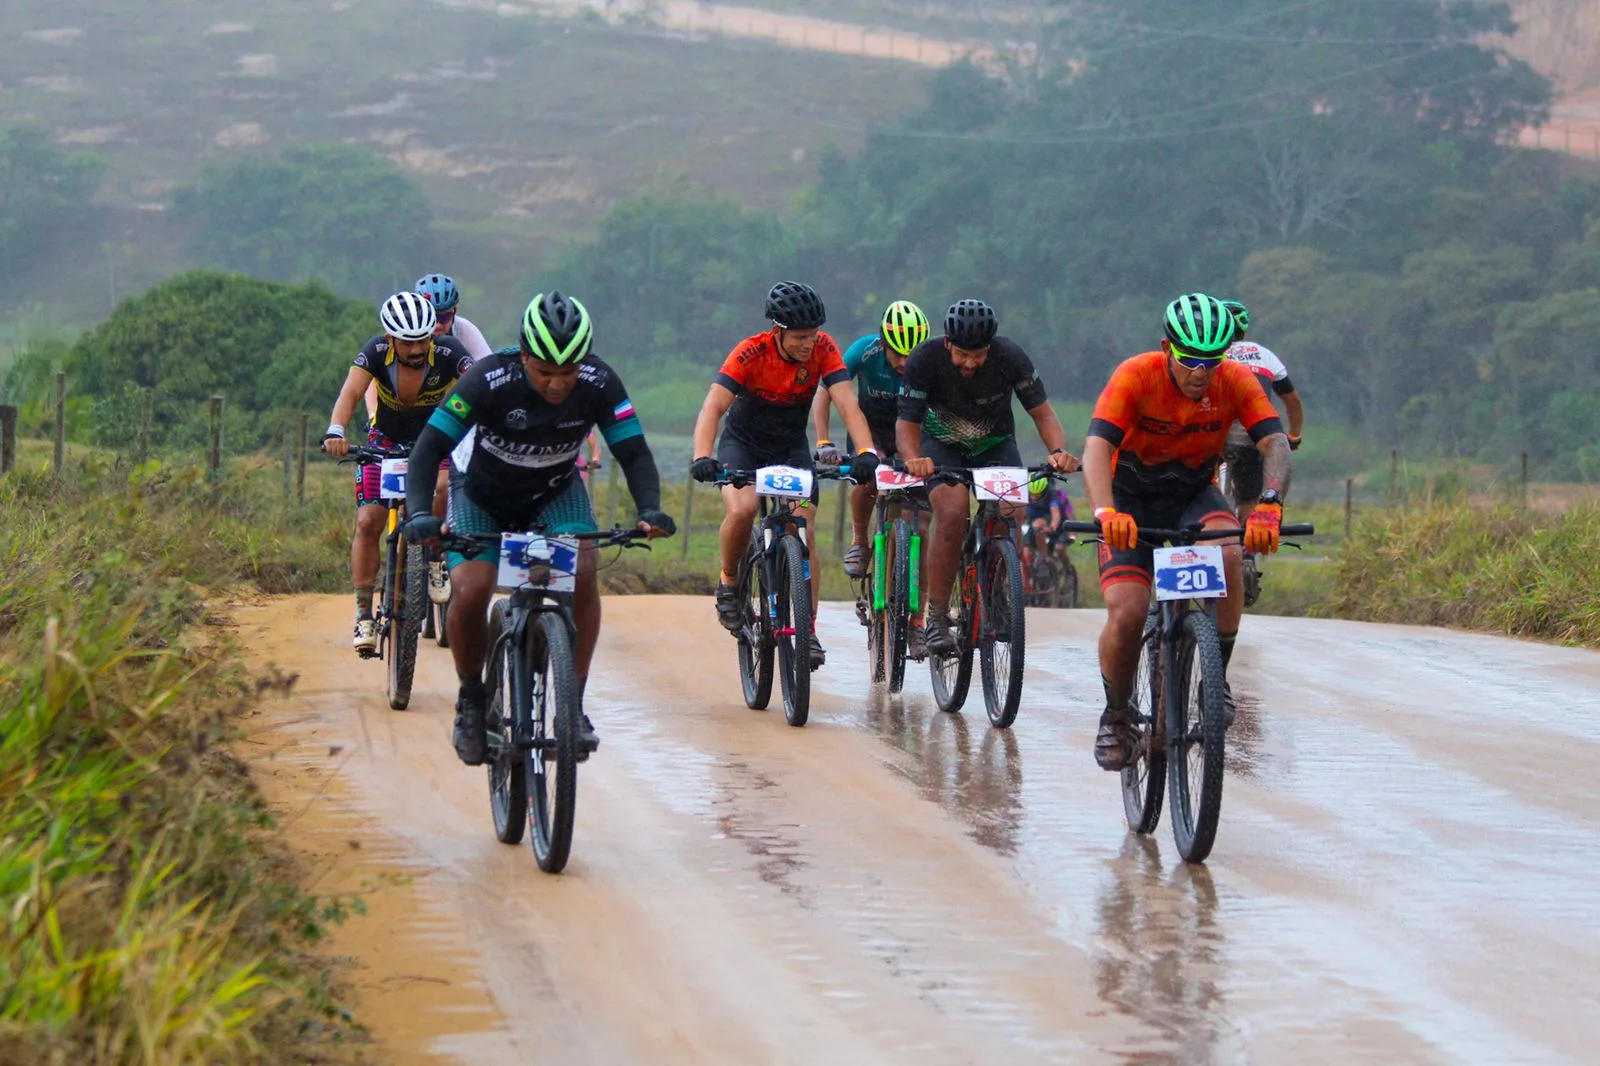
pixel 912 508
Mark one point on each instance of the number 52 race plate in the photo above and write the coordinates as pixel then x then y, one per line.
pixel 1190 573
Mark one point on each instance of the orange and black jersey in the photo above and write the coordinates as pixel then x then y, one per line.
pixel 772 396
pixel 1165 441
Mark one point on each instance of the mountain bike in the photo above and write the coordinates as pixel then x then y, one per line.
pixel 775 588
pixel 404 595
pixel 1050 579
pixel 990 619
pixel 890 593
pixel 1179 725
pixel 535 713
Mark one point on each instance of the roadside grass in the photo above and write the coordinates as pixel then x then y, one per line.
pixel 1499 568
pixel 147 912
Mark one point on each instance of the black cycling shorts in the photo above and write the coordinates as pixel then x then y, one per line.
pixel 1168 512
pixel 1006 453
pixel 736 454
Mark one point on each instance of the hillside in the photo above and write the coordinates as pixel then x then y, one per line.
pixel 522 128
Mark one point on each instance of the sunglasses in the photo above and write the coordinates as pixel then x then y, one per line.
pixel 1196 362
pixel 445 316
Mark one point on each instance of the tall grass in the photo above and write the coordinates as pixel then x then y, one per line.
pixel 147 915
pixel 1500 569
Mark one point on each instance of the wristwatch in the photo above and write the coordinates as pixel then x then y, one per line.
pixel 1058 451
pixel 1272 496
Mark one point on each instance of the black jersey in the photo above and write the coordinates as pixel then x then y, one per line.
pixel 973 414
pixel 525 447
pixel 402 423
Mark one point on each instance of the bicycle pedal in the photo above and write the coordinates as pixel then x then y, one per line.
pixel 368 653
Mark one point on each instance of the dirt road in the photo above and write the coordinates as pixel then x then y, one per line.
pixel 1410 842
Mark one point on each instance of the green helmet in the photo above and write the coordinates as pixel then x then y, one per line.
pixel 1037 486
pixel 1199 325
pixel 556 329
pixel 1241 316
pixel 904 326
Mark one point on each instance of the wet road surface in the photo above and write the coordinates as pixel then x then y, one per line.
pixel 1410 844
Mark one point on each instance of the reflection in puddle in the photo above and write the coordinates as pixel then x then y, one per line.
pixel 982 788
pixel 1161 940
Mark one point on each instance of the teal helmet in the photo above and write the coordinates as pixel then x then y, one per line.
pixel 1241 316
pixel 556 329
pixel 1199 324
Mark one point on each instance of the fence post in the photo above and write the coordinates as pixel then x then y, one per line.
pixel 1394 476
pixel 300 459
pixel 8 438
pixel 214 460
pixel 288 463
pixel 1524 479
pixel 147 403
pixel 688 517
pixel 611 498
pixel 1349 503
pixel 61 423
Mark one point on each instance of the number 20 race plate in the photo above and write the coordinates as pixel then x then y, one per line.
pixel 1190 573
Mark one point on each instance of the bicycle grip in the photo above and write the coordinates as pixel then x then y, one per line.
pixel 1298 529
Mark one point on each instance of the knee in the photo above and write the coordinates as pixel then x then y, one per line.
pixel 370 522
pixel 1126 607
pixel 741 513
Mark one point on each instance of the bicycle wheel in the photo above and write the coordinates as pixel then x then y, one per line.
pixel 1069 585
pixel 951 676
pixel 551 715
pixel 1195 732
pixel 755 639
pixel 1145 777
pixel 410 593
pixel 508 769
pixel 793 630
pixel 1002 641
pixel 898 608
pixel 877 627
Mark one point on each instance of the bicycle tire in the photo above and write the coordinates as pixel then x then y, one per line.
pixel 1145 779
pixel 952 676
pixel 877 638
pixel 794 630
pixel 552 714
pixel 1005 611
pixel 405 625
pixel 899 605
pixel 755 661
pixel 1069 580
pixel 507 769
pixel 1192 723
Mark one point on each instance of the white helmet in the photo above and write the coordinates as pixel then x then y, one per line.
pixel 407 316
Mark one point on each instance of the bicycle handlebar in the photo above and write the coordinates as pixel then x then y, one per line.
pixel 1191 535
pixel 739 479
pixel 365 453
pixel 471 543
pixel 962 475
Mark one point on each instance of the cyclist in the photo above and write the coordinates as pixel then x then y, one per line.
pixel 765 387
pixel 1158 429
pixel 410 370
pixel 876 362
pixel 532 407
pixel 1048 507
pixel 1244 462
pixel 440 290
pixel 955 411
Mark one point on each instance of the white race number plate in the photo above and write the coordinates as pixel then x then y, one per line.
pixel 1190 573
pixel 890 479
pixel 392 479
pixel 1009 484
pixel 542 562
pixel 784 481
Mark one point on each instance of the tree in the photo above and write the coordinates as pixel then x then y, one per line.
pixel 332 212
pixel 40 185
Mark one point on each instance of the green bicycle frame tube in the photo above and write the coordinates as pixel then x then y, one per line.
pixel 880 572
pixel 915 573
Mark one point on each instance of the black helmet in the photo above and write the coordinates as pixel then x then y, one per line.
pixel 970 324
pixel 792 305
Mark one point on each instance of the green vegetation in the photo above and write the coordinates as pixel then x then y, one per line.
pixel 1499 569
pixel 335 213
pixel 149 913
pixel 40 186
